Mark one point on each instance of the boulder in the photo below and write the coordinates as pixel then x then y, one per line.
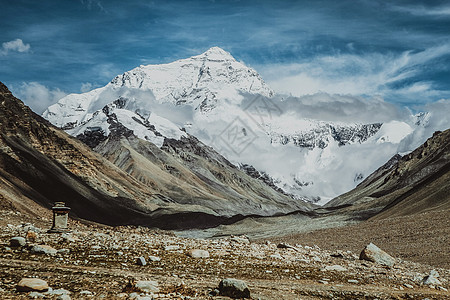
pixel 234 288
pixel 17 241
pixel 44 249
pixel 198 253
pixel 374 254
pixel 32 284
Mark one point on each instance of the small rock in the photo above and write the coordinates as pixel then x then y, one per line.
pixel 58 292
pixel 67 237
pixel 287 246
pixel 63 297
pixel 17 241
pixel 214 292
pixel 122 295
pixel 198 253
pixel 141 261
pixel 374 254
pixel 32 284
pixel 43 249
pixel 240 239
pixel 335 268
pixel 430 280
pixel 276 256
pixel 171 247
pixel 147 286
pixel 323 281
pixel 352 281
pixel 337 255
pixel 154 258
pixel 63 251
pixel 409 286
pixel 234 288
pixel 35 295
pixel 86 293
pixel 434 273
pixel 442 288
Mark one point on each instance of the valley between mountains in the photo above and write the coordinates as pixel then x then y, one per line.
pixel 183 174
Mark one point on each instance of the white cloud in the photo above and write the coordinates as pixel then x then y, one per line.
pixel 107 71
pixel 38 96
pixel 424 11
pixel 367 74
pixel 86 87
pixel 90 4
pixel 438 120
pixel 341 108
pixel 15 45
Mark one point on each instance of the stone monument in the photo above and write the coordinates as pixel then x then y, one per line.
pixel 60 217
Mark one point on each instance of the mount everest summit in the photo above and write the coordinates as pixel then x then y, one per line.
pixel 224 104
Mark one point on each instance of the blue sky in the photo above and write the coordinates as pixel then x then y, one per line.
pixel 399 51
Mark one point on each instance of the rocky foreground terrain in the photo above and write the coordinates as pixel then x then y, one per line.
pixel 94 262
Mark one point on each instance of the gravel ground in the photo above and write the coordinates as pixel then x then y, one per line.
pixel 95 262
pixel 423 238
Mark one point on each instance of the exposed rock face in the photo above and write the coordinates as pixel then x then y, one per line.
pixel 414 183
pixel 324 133
pixel 372 253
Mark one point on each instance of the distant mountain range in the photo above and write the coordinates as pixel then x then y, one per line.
pixel 228 106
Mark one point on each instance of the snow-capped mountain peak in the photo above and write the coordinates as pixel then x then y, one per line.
pixel 199 81
pixel 215 54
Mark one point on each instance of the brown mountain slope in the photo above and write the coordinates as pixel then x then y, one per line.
pixel 41 164
pixel 418 182
pixel 190 173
